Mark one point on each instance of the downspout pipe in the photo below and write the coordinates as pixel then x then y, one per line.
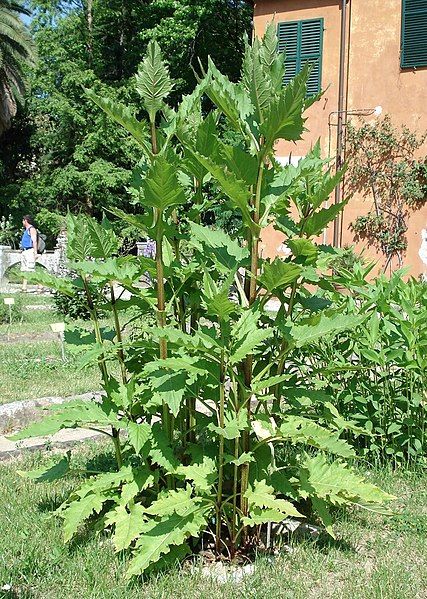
pixel 341 117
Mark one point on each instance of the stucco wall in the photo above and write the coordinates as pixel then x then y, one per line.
pixel 374 78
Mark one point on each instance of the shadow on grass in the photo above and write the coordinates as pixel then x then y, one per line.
pixel 17 594
pixel 102 462
pixel 50 503
pixel 326 543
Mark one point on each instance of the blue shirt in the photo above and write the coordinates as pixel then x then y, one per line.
pixel 26 241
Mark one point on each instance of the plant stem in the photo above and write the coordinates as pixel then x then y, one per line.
pixel 161 317
pixel 160 287
pixel 248 363
pixel 118 330
pixel 102 366
pixel 153 137
pixel 220 452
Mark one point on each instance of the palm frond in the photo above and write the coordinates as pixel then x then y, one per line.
pixel 17 54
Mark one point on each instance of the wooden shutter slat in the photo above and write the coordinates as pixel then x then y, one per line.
pixel 414 33
pixel 302 42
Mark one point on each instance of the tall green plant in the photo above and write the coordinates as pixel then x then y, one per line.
pixel 376 373
pixel 200 400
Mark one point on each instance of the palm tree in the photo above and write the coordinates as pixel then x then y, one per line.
pixel 17 53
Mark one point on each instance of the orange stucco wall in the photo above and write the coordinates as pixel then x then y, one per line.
pixel 374 78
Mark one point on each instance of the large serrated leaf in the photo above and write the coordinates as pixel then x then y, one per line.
pixel 336 483
pixel 321 326
pixel 79 242
pixel 61 285
pixel 283 118
pixel 125 270
pixel 140 221
pixel 262 516
pixel 233 425
pixel 153 82
pixel 324 514
pixel 302 430
pixel 50 472
pixel 170 502
pixel 237 190
pixel 141 479
pixel 161 186
pixel 240 162
pixel 72 415
pixel 157 537
pixel 256 79
pixel 202 475
pixel 170 387
pixel 249 344
pixel 248 335
pixel 315 224
pixel 105 482
pixel 103 239
pixel 220 247
pixel 78 511
pixel 261 495
pixel 127 524
pixel 278 274
pixel 138 434
pixel 161 452
pixel 230 98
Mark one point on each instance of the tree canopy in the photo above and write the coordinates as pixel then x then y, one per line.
pixel 61 153
pixel 16 54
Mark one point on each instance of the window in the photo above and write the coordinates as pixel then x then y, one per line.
pixel 414 34
pixel 302 42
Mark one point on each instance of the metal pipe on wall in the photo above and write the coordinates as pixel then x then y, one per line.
pixel 340 115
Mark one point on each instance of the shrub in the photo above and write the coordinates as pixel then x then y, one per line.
pixel 201 395
pixel 50 224
pixel 375 374
pixel 7 231
pixel 75 306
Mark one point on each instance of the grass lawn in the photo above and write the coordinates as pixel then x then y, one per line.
pixel 375 556
pixel 31 364
pixel 33 370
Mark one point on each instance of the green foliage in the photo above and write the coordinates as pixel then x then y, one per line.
pixel 16 310
pixel 7 233
pixel 205 397
pixel 374 372
pixel 17 53
pixel 75 306
pixel 62 152
pixel 153 81
pixel 384 167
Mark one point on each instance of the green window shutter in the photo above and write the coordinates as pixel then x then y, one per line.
pixel 414 34
pixel 302 42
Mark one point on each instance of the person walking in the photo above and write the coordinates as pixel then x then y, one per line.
pixel 29 247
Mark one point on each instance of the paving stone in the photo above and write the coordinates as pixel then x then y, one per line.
pixel 61 439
